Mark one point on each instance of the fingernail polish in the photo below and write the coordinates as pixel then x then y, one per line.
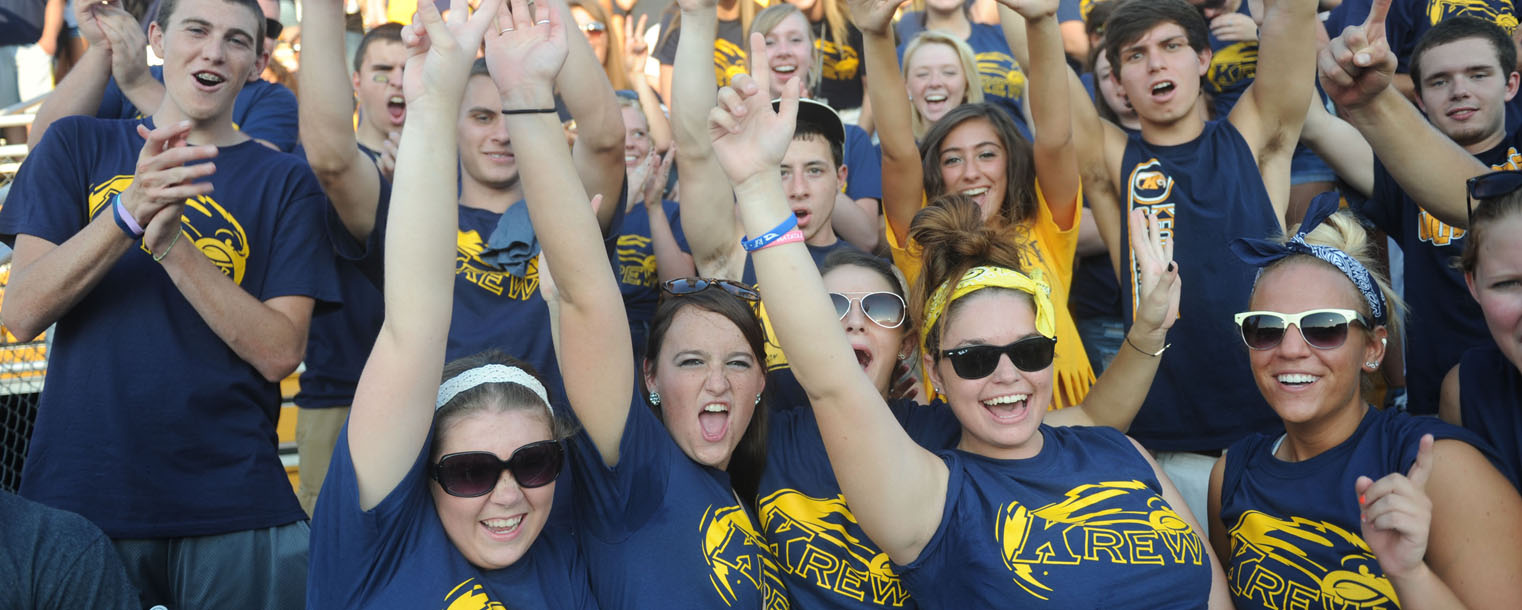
pixel 1361 499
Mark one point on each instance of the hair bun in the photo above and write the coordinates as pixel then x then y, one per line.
pixel 951 231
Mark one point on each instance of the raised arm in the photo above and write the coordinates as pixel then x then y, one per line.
pixel 637 54
pixel 80 92
pixel 1118 394
pixel 896 488
pixel 1355 70
pixel 599 149
pixel 670 261
pixel 1341 145
pixel 708 218
pixel 394 403
pixel 1272 110
pixel 594 350
pixel 1055 153
pixel 903 176
pixel 326 109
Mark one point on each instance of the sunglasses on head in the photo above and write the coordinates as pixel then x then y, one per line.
pixel 1321 328
pixel 693 285
pixel 272 28
pixel 884 309
pixel 475 473
pixel 1030 354
pixel 1490 186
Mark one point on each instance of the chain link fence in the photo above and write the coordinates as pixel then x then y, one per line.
pixel 23 364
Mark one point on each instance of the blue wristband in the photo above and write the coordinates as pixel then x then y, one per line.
pixel 121 221
pixel 751 245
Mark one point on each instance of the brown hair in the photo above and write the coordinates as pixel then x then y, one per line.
pixel 953 238
pixel 494 397
pixel 1487 212
pixel 613 60
pixel 1132 19
pixel 1019 205
pixel 749 457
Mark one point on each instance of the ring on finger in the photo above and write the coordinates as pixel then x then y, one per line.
pixel 504 30
pixel 542 22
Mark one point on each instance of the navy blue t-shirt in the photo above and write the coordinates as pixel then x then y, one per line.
pixel 635 261
pixel 154 426
pixel 340 339
pixel 864 165
pixel 1204 193
pixel 263 110
pixel 841 67
pixel 1490 395
pixel 1443 320
pixel 826 558
pixel 1003 80
pixel 493 309
pixel 22 21
pixel 1295 526
pixel 660 530
pixel 1083 524
pixel 1232 68
pixel 397 554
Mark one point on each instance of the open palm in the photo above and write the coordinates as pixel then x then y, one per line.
pixel 873 16
pixel 527 49
pixel 1160 285
pixel 750 138
pixel 440 51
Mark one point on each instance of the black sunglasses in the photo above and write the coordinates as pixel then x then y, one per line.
pixel 692 285
pixel 1030 354
pixel 272 28
pixel 1321 328
pixel 1490 186
pixel 475 473
pixel 884 309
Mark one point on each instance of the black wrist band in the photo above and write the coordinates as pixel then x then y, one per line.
pixel 528 111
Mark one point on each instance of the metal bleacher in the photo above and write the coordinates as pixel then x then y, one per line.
pixel 23 364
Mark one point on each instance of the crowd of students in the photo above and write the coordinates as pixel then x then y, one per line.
pixel 829 304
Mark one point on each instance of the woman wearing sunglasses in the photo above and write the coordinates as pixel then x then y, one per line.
pixel 1018 511
pixel 438 494
pixel 1351 505
pixel 1483 392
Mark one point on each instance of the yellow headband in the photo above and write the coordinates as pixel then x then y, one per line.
pixel 979 278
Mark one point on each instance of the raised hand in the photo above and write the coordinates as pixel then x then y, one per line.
pixel 1234 27
pixel 655 182
pixel 387 159
pixel 1160 284
pixel 636 52
pixel 1357 65
pixel 86 13
pixel 1397 514
pixel 129 48
pixel 872 16
pixel 163 180
pixel 526 52
pixel 1032 9
pixel 749 138
pixel 440 51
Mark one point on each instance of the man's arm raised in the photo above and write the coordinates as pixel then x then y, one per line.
pixel 326 108
pixel 708 216
pixel 1356 69
pixel 1272 111
pixel 599 150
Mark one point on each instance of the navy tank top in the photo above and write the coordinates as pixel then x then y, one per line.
pixel 1490 392
pixel 1205 193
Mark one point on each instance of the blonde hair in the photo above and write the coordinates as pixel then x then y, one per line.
pixel 768 20
pixel 613 59
pixel 974 92
pixel 1344 232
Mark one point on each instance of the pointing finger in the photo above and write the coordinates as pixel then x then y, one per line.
pixel 1422 468
pixel 758 60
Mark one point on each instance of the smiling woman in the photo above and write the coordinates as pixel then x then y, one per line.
pixel 1440 525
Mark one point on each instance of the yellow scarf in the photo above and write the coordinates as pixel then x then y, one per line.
pixel 979 278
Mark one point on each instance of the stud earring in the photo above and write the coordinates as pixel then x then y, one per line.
pixel 655 398
pixel 758 400
pixel 903 357
pixel 1372 364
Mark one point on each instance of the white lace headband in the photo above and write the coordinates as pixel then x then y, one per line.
pixel 491 373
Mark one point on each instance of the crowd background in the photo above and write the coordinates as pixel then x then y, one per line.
pixel 980 120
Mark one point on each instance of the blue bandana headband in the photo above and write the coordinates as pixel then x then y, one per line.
pixel 1263 252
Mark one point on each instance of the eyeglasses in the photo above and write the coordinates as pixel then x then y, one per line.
pixel 692 285
pixel 1490 186
pixel 1321 328
pixel 475 473
pixel 884 309
pixel 1030 354
pixel 272 28
pixel 593 27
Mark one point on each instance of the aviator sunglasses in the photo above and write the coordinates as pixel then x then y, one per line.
pixel 693 285
pixel 1030 354
pixel 475 473
pixel 884 309
pixel 1321 328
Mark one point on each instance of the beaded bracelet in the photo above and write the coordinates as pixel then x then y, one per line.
pixel 765 239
